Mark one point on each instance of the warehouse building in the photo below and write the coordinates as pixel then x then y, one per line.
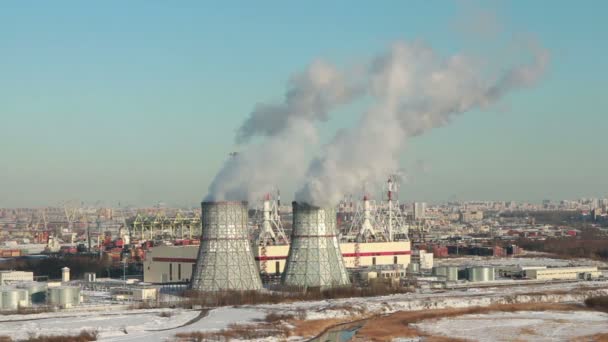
pixel 563 273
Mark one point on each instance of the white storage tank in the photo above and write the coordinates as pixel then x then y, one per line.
pixel 13 298
pixel 450 273
pixel 480 273
pixel 63 296
pixel 413 267
pixel 36 291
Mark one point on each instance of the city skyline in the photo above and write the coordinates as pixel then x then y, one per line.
pixel 139 103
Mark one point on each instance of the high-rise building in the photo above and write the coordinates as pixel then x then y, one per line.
pixel 419 210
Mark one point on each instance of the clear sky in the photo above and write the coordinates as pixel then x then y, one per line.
pixel 138 101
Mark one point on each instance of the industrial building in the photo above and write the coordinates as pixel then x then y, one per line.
pixel 167 264
pixel 563 273
pixel 423 258
pixel 369 242
pixel 9 277
pixel 141 294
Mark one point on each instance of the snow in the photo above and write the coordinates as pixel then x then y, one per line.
pixel 21 326
pixel 126 325
pixel 119 323
pixel 527 326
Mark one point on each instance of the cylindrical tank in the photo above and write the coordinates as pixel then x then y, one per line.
pixel 65 274
pixel 36 291
pixel 480 273
pixel 10 298
pixel 449 272
pixel 63 296
pixel 225 257
pixel 314 258
pixel 413 267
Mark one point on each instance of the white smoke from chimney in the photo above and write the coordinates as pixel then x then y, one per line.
pixel 287 129
pixel 413 89
pixel 310 96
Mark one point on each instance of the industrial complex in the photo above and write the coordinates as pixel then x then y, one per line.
pixel 264 245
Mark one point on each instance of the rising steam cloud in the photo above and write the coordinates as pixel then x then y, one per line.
pixel 412 89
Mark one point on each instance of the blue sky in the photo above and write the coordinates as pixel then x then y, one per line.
pixel 139 101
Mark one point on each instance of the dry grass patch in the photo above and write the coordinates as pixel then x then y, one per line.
pixel 443 339
pixel 577 290
pixel 398 324
pixel 237 331
pixel 27 311
pixel 598 303
pixel 84 336
pixel 527 331
pixel 283 295
pixel 316 327
pixel 592 338
pixel 165 314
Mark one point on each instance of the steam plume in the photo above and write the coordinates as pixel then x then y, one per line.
pixel 310 96
pixel 411 88
pixel 287 129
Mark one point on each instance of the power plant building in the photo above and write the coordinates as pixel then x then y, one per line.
pixel 166 264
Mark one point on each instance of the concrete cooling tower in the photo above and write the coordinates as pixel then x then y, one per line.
pixel 314 259
pixel 225 259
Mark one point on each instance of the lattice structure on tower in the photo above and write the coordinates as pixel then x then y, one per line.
pixel 363 226
pixel 268 223
pixel 162 227
pixel 225 259
pixel 389 214
pixel 314 259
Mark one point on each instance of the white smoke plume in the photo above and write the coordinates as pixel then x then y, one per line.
pixel 309 97
pixel 249 174
pixel 411 88
pixel 287 129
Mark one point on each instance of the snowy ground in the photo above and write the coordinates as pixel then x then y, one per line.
pixel 133 325
pixel 122 324
pixel 523 326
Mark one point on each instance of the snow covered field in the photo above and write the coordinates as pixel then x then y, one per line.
pixel 522 326
pixel 131 325
pixel 151 325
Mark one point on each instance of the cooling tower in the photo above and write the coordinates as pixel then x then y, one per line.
pixel 225 259
pixel 314 258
